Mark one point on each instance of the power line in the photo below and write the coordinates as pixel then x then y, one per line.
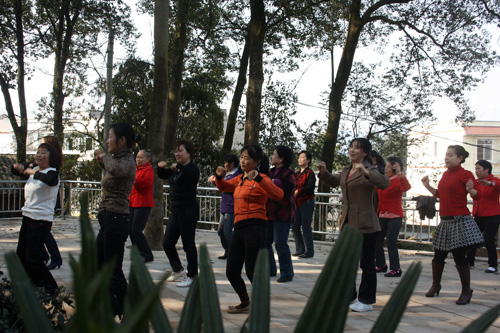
pixel 407 129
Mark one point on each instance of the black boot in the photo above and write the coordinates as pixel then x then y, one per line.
pixel 466 295
pixel 437 272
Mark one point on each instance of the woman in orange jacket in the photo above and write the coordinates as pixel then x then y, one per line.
pixel 251 191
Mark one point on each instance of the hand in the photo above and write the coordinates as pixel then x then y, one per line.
pixel 162 164
pixel 252 174
pixel 321 167
pixel 296 192
pixel 425 180
pixel 485 182
pixel 361 168
pixel 28 172
pixel 174 167
pixel 469 186
pixel 211 179
pixel 19 167
pixel 99 154
pixel 221 172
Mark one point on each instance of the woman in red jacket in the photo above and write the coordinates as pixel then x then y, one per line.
pixel 141 201
pixel 251 192
pixel 457 230
pixel 390 214
pixel 486 212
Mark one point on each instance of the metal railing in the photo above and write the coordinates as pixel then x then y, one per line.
pixel 326 217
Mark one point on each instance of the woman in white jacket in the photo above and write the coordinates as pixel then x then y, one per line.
pixel 40 195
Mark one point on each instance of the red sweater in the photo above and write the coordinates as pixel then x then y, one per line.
pixel 390 198
pixel 142 192
pixel 451 192
pixel 487 203
pixel 250 196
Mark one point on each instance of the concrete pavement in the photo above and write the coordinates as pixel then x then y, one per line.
pixel 437 314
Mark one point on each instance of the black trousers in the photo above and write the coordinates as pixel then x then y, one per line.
pixel 489 227
pixel 30 249
pixel 248 239
pixel 111 246
pixel 182 223
pixel 139 217
pixel 368 285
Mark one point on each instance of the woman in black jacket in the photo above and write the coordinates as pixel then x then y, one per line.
pixel 183 179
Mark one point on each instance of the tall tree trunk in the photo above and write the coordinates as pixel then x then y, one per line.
pixel 174 96
pixel 338 88
pixel 257 31
pixel 236 101
pixel 64 35
pixel 20 131
pixel 154 227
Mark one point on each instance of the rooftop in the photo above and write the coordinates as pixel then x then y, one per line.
pixel 437 314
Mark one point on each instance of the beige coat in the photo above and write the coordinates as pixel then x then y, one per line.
pixel 358 194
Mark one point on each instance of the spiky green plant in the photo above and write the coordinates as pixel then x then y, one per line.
pixel 325 311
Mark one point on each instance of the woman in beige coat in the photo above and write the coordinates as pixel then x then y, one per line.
pixel 358 182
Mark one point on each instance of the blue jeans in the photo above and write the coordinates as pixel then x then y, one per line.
pixel 225 230
pixel 390 231
pixel 110 248
pixel 281 231
pixel 303 219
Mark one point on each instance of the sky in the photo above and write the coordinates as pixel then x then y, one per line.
pixel 316 77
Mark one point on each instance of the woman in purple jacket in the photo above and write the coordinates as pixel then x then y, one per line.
pixel 226 224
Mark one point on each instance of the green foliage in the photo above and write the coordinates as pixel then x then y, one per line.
pixel 277 126
pixel 11 319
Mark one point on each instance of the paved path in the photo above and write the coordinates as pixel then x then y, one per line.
pixel 438 314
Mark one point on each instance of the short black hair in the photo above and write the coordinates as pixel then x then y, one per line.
pixel 231 158
pixel 286 154
pixel 486 165
pixel 188 145
pixel 54 158
pixel 394 159
pixel 308 156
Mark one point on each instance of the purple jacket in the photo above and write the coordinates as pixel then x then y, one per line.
pixel 227 201
pixel 283 210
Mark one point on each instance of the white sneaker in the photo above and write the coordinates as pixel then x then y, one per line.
pixel 357 306
pixel 177 275
pixel 491 270
pixel 186 282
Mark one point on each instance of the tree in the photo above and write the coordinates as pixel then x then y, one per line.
pixel 277 127
pixel 442 51
pixel 71 30
pixel 154 229
pixel 15 16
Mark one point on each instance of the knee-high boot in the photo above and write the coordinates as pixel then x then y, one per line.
pixel 466 295
pixel 437 272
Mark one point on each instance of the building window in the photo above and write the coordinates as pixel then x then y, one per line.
pixel 484 147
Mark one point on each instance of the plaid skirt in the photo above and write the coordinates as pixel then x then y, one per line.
pixel 456 231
